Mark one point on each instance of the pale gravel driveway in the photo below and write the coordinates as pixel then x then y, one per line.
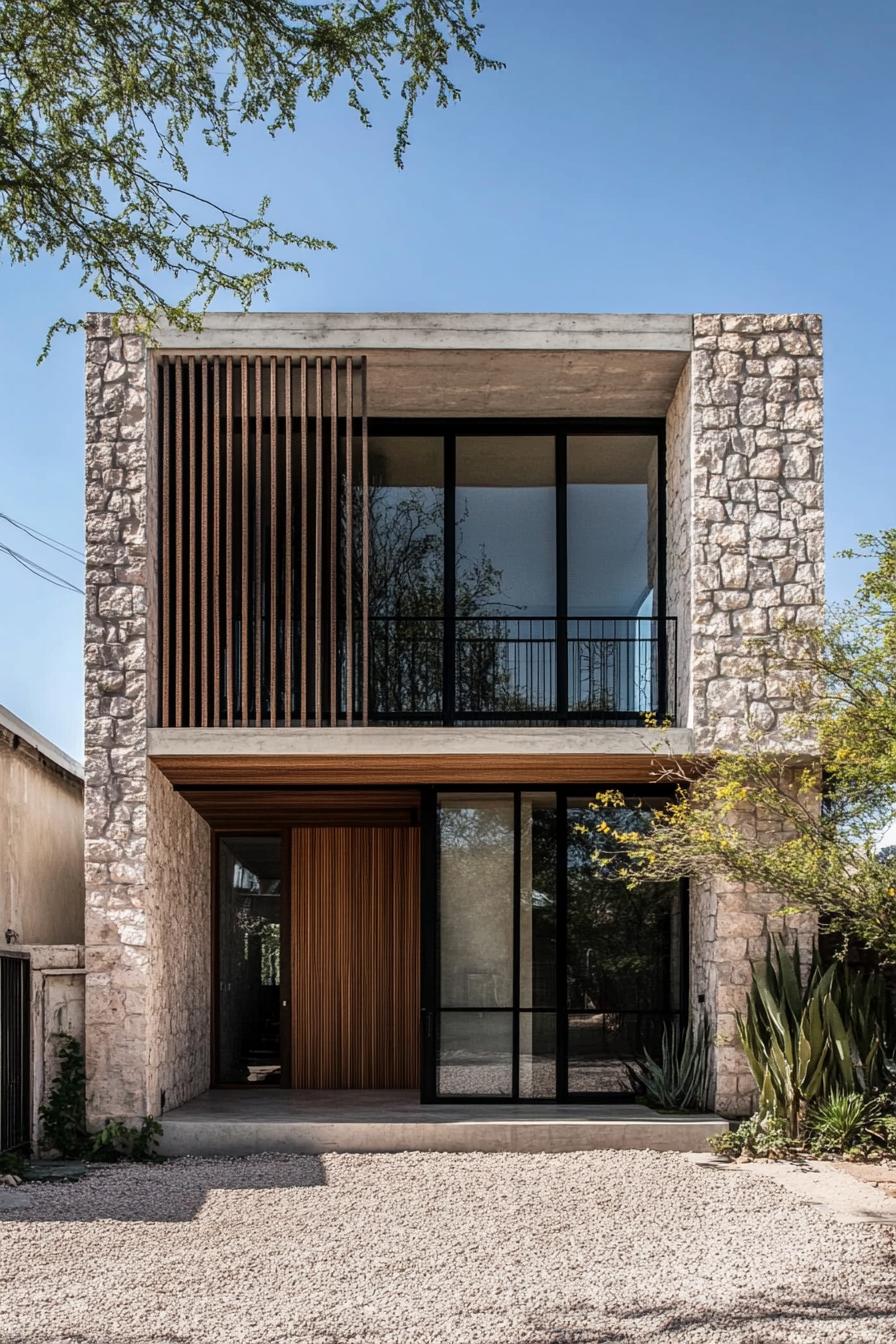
pixel 577 1248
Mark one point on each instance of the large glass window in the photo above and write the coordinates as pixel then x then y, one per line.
pixel 249 924
pixel 611 503
pixel 516 577
pixel 505 575
pixel 407 548
pixel 623 953
pixel 506 563
pixel 475 897
pixel 553 971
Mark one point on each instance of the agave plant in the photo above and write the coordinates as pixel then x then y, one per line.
pixel 679 1079
pixel 804 1041
pixel 844 1120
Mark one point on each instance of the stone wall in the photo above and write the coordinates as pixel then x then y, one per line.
pixel 756 576
pixel 117 934
pixel 179 880
pixel 758 526
pixel 146 938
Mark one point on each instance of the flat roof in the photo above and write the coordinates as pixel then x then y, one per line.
pixel 19 728
pixel 435 331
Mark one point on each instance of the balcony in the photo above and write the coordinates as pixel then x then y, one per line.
pixel 314 571
pixel 520 670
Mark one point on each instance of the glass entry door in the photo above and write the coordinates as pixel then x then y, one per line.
pixel 546 972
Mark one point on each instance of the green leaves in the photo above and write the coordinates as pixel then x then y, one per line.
pixel 97 101
pixel 679 1080
pixel 804 1042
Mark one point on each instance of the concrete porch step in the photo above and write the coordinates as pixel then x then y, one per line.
pixel 239 1123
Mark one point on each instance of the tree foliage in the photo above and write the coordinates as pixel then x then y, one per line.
pixel 97 101
pixel 808 830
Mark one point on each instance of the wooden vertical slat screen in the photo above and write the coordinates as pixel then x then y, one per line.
pixel 264 561
pixel 355 938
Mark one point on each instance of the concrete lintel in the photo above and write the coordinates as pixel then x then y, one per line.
pixel 434 331
pixel 426 741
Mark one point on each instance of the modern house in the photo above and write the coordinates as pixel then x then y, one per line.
pixel 375 604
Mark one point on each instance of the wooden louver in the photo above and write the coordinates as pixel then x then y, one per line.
pixel 263 541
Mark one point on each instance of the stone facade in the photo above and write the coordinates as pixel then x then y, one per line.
pixel 744 564
pixel 758 525
pixel 144 935
pixel 179 880
pixel 746 570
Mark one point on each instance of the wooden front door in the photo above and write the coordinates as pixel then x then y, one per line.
pixel 355 963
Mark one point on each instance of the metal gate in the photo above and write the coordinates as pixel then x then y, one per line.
pixel 15 1050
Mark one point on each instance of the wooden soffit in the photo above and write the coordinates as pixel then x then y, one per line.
pixel 196 772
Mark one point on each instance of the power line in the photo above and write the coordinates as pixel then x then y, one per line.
pixel 39 571
pixel 62 547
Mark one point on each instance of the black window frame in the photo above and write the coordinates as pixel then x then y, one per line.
pixel 561 429
pixel 430 967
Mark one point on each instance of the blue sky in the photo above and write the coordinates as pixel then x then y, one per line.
pixel 665 158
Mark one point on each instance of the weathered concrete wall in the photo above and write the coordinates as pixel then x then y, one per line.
pixel 756 576
pixel 41 847
pixel 679 539
pixel 57 1008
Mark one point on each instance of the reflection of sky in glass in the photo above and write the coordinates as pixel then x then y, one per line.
pixel 513 528
pixel 607 549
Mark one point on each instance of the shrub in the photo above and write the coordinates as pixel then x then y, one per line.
pixel 117 1142
pixel 843 1121
pixel 64 1120
pixel 63 1114
pixel 759 1137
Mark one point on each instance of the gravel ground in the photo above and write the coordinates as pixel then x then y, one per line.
pixel 422 1248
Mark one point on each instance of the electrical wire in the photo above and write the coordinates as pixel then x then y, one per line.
pixel 39 571
pixel 62 547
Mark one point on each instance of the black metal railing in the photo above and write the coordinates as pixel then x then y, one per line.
pixel 521 669
pixel 15 1050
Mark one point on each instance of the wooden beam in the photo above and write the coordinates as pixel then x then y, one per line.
pixel 250 771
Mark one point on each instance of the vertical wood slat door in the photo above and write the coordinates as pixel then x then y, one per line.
pixel 355 957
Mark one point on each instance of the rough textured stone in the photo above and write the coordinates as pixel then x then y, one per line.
pixel 146 852
pixel 744 571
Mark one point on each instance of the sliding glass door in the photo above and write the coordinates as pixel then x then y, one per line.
pixel 547 971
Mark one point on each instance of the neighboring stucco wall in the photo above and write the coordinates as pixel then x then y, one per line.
pixel 179 880
pixel 41 847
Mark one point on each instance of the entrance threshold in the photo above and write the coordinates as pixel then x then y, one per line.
pixel 242 1122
